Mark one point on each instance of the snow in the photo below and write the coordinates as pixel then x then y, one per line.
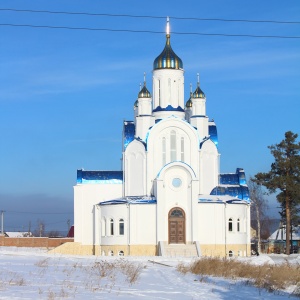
pixel 31 273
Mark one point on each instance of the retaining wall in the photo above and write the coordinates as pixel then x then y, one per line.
pixel 44 242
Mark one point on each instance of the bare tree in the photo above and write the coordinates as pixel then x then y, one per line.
pixel 259 205
pixel 53 234
pixel 40 231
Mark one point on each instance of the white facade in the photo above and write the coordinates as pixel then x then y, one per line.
pixel 170 191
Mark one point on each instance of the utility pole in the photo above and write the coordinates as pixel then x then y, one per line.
pixel 41 229
pixel 68 222
pixel 2 221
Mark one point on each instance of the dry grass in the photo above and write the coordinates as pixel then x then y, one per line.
pixel 130 270
pixel 42 263
pixel 269 277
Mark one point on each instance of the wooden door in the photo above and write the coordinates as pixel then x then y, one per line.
pixel 176 226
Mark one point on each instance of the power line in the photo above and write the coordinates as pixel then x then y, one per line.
pixel 147 16
pixel 150 31
pixel 38 213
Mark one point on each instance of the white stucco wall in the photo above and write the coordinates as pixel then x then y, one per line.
pixel 168 88
pixel 213 221
pixel 209 167
pixel 169 196
pixel 85 198
pixel 135 169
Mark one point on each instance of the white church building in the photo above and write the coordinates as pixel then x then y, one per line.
pixel 170 197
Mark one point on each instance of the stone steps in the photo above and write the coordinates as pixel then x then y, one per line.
pixel 180 250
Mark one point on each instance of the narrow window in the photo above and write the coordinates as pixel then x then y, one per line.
pixel 230 253
pixel 164 158
pixel 238 225
pixel 103 223
pixel 159 93
pixel 182 149
pixel 173 145
pixel 121 226
pixel 230 225
pixel 111 227
pixel 169 90
pixel 121 253
pixel 111 253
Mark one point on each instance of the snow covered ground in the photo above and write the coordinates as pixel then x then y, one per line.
pixel 28 273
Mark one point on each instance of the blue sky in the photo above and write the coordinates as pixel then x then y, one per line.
pixel 65 93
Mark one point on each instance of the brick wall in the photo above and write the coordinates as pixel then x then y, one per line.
pixel 33 241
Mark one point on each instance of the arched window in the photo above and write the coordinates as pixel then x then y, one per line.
pixel 121 253
pixel 103 227
pixel 121 227
pixel 230 224
pixel 177 213
pixel 182 148
pixel 164 154
pixel 173 146
pixel 230 253
pixel 238 225
pixel 111 253
pixel 111 226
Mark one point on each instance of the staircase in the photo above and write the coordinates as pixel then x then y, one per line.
pixel 179 250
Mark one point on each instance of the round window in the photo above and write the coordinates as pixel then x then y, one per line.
pixel 176 182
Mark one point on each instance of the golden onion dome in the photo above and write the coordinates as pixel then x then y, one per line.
pixel 198 92
pixel 189 103
pixel 168 58
pixel 144 93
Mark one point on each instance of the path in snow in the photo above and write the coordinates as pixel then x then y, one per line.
pixel 38 275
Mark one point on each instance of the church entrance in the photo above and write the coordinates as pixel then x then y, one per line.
pixel 176 226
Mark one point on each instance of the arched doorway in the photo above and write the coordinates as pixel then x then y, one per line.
pixel 176 226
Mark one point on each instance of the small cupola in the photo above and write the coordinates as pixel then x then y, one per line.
pixel 198 92
pixel 189 103
pixel 144 93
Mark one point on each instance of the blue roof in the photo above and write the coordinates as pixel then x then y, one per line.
pixel 239 191
pixel 130 200
pixel 234 178
pixel 212 131
pixel 233 184
pixel 168 108
pixel 128 133
pixel 109 177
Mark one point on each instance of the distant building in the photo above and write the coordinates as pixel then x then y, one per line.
pixel 18 234
pixel 170 194
pixel 280 234
pixel 277 240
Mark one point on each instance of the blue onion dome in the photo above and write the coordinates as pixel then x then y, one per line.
pixel 198 92
pixel 167 59
pixel 144 93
